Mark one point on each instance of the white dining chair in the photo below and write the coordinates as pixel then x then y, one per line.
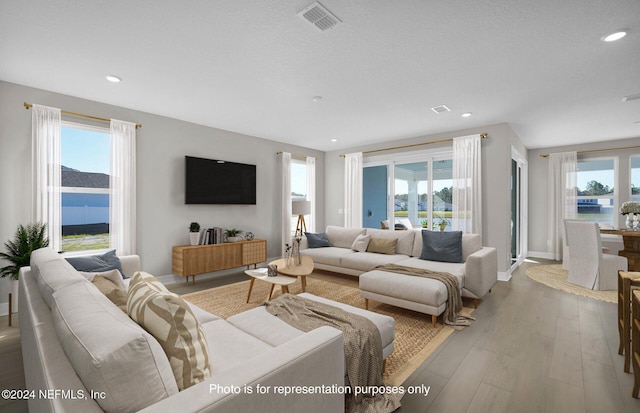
pixel 588 266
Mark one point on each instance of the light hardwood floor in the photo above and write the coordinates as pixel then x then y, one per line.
pixel 531 349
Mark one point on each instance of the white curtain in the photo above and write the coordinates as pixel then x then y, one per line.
pixel 46 130
pixel 467 184
pixel 353 190
pixel 286 199
pixel 562 184
pixel 122 201
pixel 311 193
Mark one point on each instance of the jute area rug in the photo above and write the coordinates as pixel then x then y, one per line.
pixel 555 277
pixel 415 337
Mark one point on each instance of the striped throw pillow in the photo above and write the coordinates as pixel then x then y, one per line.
pixel 169 319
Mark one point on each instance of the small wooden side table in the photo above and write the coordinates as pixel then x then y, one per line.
pixel 302 270
pixel 281 280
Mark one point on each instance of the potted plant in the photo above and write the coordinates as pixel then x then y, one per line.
pixel 194 233
pixel 442 224
pixel 18 253
pixel 424 223
pixel 232 234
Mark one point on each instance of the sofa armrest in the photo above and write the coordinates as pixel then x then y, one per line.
pixel 130 264
pixel 315 358
pixel 481 271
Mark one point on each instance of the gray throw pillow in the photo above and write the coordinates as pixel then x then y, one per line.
pixel 97 263
pixel 319 240
pixel 441 246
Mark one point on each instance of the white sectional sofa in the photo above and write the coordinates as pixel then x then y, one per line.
pixel 83 354
pixel 476 274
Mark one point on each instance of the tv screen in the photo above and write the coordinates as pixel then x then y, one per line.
pixel 212 181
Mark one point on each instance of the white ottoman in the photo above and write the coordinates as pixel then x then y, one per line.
pixel 262 325
pixel 424 295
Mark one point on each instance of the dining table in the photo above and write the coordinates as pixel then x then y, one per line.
pixel 631 241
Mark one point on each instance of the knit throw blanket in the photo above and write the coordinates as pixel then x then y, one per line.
pixel 362 347
pixel 451 314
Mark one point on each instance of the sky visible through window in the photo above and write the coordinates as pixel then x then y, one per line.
pixel 299 178
pixel 85 150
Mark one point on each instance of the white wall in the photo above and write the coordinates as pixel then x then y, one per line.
pixel 538 170
pixel 496 171
pixel 163 218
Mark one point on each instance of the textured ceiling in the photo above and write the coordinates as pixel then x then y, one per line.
pixel 253 66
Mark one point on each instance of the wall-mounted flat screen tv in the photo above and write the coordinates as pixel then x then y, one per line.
pixel 213 181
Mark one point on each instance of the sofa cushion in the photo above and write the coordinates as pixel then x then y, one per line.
pixel 170 320
pixel 441 246
pixel 343 237
pixel 109 352
pixel 405 239
pixel 327 256
pixel 361 243
pixel 229 346
pixel 456 269
pixel 366 261
pixel 52 273
pixel 97 263
pixel 405 287
pixel 470 244
pixel 319 240
pixel 382 246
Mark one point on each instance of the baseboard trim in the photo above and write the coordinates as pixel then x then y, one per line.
pixel 538 254
pixel 504 276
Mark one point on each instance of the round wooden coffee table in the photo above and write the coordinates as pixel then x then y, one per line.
pixel 301 270
pixel 281 280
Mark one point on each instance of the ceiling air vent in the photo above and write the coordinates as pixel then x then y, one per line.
pixel 321 18
pixel 441 109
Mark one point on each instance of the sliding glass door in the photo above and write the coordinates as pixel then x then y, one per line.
pixel 408 192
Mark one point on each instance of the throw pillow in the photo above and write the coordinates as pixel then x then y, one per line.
pixel 169 319
pixel 110 289
pixel 97 263
pixel 383 245
pixel 319 240
pixel 441 246
pixel 361 243
pixel 112 275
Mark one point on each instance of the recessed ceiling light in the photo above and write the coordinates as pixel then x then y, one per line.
pixel 466 114
pixel 113 79
pixel 614 36
pixel 334 140
pixel 316 98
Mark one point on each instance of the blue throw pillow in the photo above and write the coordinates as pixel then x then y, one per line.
pixel 97 263
pixel 317 240
pixel 441 246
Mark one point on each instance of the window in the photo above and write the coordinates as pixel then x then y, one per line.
pixel 596 192
pixel 410 192
pixel 299 189
pixel 635 178
pixel 85 187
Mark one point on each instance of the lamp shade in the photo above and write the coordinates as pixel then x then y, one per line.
pixel 301 207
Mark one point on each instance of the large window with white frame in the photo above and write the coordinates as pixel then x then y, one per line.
pixel 404 191
pixel 85 187
pixel 597 190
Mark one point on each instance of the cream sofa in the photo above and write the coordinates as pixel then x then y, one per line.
pixel 83 354
pixel 476 274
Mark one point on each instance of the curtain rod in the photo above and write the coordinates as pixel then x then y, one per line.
pixel 66 112
pixel 296 156
pixel 546 155
pixel 482 135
